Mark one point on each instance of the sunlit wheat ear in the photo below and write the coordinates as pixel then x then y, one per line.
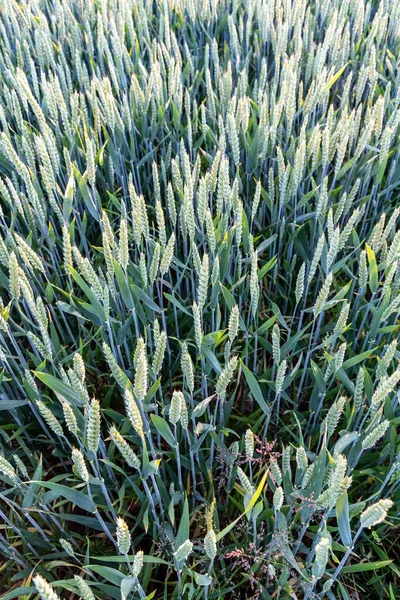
pixel 375 435
pixel 276 344
pixel 154 265
pixel 67 547
pixel 175 407
pixel 384 388
pixel 338 483
pixel 254 287
pixel 28 255
pixel 359 390
pixel 108 246
pixel 91 167
pixel 159 353
pixel 234 451
pixel 171 204
pixel 354 219
pixel 183 552
pixel 233 325
pixel 79 366
pixel 215 273
pixel 196 260
pixel 3 324
pixel 45 590
pixel 83 588
pixel 137 564
pixel 187 367
pixel 141 370
pixel 339 356
pixel 4 254
pixel 140 351
pixel 323 295
pixel 93 426
pixel 234 139
pixel 249 444
pixel 286 454
pixel 301 459
pixel 125 449
pixel 308 475
pixel 392 308
pixel 67 248
pixel 299 289
pixel 280 376
pixel 69 417
pixel 74 379
pixel 156 332
pixel 114 367
pixel 342 319
pixel 15 287
pixel 167 255
pixel 184 418
pixel 7 469
pixel 275 471
pixel 316 258
pixel 332 418
pixel 123 536
pixel 244 480
pixel 133 414
pixel 210 544
pixel 203 282
pixel 386 360
pixel 278 499
pixel 363 270
pixel 50 419
pixel 321 556
pixel 256 200
pixel 198 332
pixel 161 224
pixel 225 377
pixel 21 468
pixel 79 464
pixel 124 244
pixel 210 231
pixel 376 513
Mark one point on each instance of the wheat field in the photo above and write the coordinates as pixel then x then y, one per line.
pixel 199 299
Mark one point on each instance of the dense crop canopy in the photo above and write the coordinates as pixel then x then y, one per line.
pixel 200 299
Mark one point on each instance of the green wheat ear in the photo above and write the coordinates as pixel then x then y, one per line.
pixel 187 367
pixel 183 552
pixel 83 588
pixel 7 469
